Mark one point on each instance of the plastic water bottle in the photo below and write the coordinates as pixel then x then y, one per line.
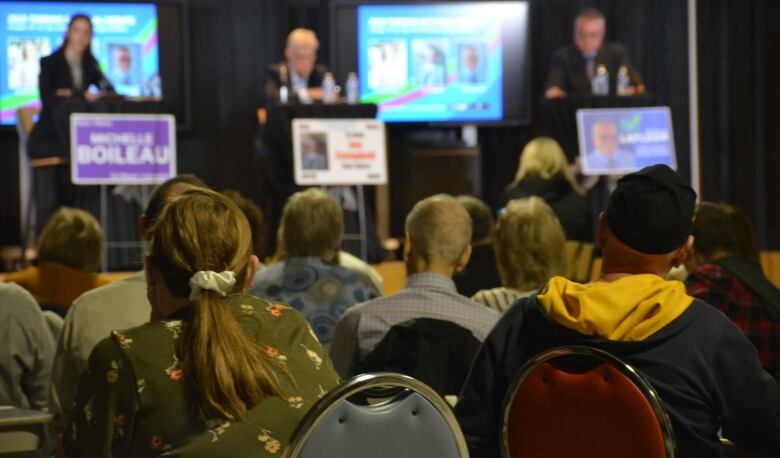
pixel 328 88
pixel 283 94
pixel 352 88
pixel 623 81
pixel 599 85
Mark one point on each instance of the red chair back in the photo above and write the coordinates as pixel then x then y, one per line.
pixel 583 402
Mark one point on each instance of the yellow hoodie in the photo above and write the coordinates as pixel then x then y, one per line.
pixel 630 308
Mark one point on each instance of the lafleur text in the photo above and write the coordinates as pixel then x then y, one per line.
pixel 123 154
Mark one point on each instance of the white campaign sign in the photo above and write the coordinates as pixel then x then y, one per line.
pixel 339 152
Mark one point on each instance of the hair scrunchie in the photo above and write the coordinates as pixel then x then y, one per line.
pixel 220 282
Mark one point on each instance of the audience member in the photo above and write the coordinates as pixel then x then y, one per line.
pixel 215 367
pixel 705 371
pixel 530 249
pixel 255 217
pixel 306 277
pixel 543 171
pixel 575 66
pixel 92 317
pixel 28 349
pixel 438 233
pixel 480 272
pixel 725 271
pixel 298 73
pixel 360 267
pixel 70 248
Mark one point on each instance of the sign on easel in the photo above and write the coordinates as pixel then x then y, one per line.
pixel 111 148
pixel 339 152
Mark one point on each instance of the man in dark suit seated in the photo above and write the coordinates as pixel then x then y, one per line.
pixel 574 66
pixel 298 73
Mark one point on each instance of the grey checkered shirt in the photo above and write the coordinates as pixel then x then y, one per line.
pixel 425 295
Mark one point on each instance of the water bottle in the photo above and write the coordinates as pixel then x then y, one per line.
pixel 599 85
pixel 623 81
pixel 352 88
pixel 328 88
pixel 283 93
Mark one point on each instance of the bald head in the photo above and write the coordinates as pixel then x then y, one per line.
pixel 439 229
pixel 301 51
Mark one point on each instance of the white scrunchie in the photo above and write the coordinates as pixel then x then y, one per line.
pixel 221 282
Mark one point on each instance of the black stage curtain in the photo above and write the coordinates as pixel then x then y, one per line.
pixel 739 102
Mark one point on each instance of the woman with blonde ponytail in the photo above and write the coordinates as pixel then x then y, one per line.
pixel 217 372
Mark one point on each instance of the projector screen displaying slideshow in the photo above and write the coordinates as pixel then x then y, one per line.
pixel 443 62
pixel 124 43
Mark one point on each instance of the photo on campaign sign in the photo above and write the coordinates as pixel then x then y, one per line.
pixel 314 151
pixel 339 152
pixel 616 141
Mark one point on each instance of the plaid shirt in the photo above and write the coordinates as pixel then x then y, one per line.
pixel 720 288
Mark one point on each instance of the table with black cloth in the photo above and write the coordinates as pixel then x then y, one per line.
pixel 559 116
pixel 122 216
pixel 275 161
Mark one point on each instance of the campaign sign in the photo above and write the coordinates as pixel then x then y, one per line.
pixel 339 152
pixel 616 141
pixel 110 148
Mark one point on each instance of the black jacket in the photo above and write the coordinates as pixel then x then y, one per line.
pixel 48 137
pixel 568 68
pixel 273 80
pixel 570 207
pixel 705 371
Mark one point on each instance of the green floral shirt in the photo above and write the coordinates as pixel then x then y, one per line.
pixel 134 399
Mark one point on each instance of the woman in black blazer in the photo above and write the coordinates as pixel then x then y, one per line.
pixel 67 73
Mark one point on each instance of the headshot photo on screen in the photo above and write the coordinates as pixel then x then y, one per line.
pixel 387 67
pixel 472 65
pixel 124 64
pixel 314 151
pixel 606 154
pixel 24 56
pixel 430 62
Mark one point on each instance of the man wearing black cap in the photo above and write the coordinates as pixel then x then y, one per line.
pixel 705 371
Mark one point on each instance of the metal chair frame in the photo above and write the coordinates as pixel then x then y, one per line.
pixel 600 355
pixel 366 382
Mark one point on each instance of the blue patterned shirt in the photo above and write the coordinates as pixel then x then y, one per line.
pixel 320 291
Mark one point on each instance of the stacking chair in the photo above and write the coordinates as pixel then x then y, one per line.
pixel 22 431
pixel 381 415
pixel 584 402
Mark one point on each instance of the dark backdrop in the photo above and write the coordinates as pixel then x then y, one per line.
pixel 233 41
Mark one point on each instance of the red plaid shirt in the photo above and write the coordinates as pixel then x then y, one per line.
pixel 720 288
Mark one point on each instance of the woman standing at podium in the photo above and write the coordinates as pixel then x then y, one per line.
pixel 67 73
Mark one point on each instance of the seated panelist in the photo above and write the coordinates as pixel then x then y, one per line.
pixel 299 72
pixel 574 66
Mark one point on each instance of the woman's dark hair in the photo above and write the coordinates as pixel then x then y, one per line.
pixel 720 229
pixel 87 52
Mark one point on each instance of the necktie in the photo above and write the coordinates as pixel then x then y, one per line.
pixel 590 67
